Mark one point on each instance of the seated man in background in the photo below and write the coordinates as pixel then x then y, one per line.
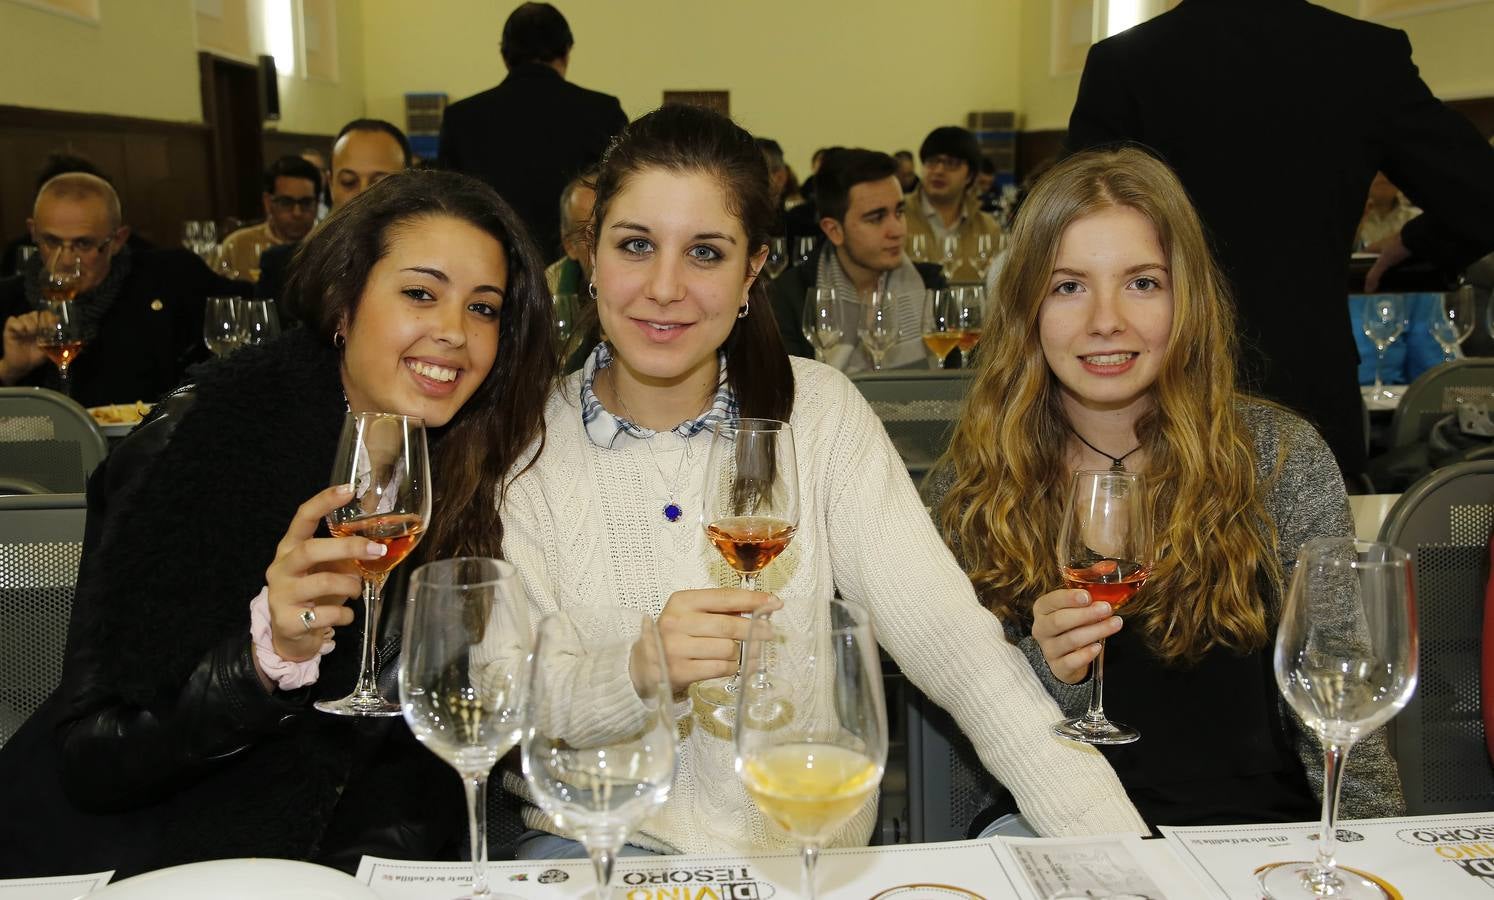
pixel 57 164
pixel 571 273
pixel 861 210
pixel 292 186
pixel 366 151
pixel 1385 211
pixel 946 202
pixel 141 312
pixel 907 172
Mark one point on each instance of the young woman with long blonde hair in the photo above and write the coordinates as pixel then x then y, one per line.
pixel 1113 344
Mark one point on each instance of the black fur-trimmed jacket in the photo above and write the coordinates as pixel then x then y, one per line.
pixel 161 747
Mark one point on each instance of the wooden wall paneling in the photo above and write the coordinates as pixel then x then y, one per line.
pixel 290 143
pixel 231 109
pixel 1480 111
pixel 1034 147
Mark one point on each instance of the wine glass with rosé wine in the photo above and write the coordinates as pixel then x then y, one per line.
pixel 1105 548
pixel 750 511
pixel 384 457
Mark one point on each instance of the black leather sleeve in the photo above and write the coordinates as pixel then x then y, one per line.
pixel 118 755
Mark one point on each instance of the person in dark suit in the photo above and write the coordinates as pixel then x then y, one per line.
pixel 535 131
pixel 141 312
pixel 1223 90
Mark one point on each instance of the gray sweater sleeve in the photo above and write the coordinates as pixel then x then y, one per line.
pixel 1307 500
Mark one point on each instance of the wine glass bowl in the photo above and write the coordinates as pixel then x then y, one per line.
pixel 596 775
pixel 778 258
pixel 941 324
pixel 972 314
pixel 811 725
pixel 462 660
pixel 1105 548
pixel 385 459
pixel 1383 320
pixel 59 335
pixel 823 313
pixel 222 324
pixel 63 277
pixel 879 331
pixel 1346 661
pixel 1451 320
pixel 749 510
pixel 258 321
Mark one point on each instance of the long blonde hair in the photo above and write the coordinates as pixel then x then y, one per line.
pixel 1006 462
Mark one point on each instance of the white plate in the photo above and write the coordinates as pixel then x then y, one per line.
pixel 239 879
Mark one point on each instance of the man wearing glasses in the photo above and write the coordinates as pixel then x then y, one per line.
pixel 140 313
pixel 292 189
pixel 946 203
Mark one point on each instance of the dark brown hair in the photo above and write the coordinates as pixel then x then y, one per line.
pixel 689 139
pixel 474 452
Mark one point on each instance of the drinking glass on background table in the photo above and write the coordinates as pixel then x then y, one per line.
pixel 567 308
pixel 384 457
pixel 878 329
pixel 259 251
pixel 1383 321
pixel 941 324
pixel 258 321
pixel 598 776
pixel 461 668
pixel 1346 658
pixel 750 511
pixel 59 335
pixel 972 312
pixel 222 327
pixel 822 318
pixel 811 725
pixel 777 257
pixel 1451 320
pixel 949 258
pixel 985 251
pixel 1105 548
pixel 918 248
pixel 804 250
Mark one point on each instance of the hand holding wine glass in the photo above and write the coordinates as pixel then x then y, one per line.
pixel 1346 660
pixel 811 725
pixel 461 671
pixel 598 776
pixel 384 457
pixel 750 510
pixel 1104 548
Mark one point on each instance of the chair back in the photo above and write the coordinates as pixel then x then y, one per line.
pixel 1444 522
pixel 947 784
pixel 41 542
pixel 1436 393
pixel 46 441
pixel 918 409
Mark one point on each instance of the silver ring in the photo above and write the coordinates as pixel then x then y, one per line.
pixel 308 618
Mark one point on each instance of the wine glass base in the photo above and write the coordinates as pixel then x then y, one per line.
pixel 1089 731
pixel 359 705
pixel 1300 881
pixel 720 692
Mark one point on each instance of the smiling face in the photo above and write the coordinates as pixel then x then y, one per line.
pixel 1105 321
pixel 672 270
pixel 425 333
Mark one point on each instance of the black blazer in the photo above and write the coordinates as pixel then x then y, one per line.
pixel 149 337
pixel 1276 114
pixel 527 137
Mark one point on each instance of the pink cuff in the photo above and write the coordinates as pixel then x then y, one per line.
pixel 287 675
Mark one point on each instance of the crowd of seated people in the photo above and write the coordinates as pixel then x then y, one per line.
pixel 212 606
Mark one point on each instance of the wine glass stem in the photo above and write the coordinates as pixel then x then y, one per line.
pixel 1333 766
pixel 810 856
pixel 602 859
pixel 373 602
pixel 477 827
pixel 67 384
pixel 1097 688
pixel 749 583
pixel 1379 360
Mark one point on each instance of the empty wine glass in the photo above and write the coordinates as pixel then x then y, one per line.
pixel 258 321
pixel 918 247
pixel 384 458
pixel 1383 321
pixel 59 335
pixel 941 324
pixel 461 668
pixel 823 317
pixel 1451 320
pixel 598 746
pixel 222 327
pixel 804 250
pixel 567 307
pixel 949 258
pixel 63 277
pixel 1346 660
pixel 192 235
pixel 811 725
pixel 878 329
pixel 1105 548
pixel 985 251
pixel 750 511
pixel 777 257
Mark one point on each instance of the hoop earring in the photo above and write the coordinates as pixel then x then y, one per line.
pixel 591 289
pixel 742 313
pixel 338 340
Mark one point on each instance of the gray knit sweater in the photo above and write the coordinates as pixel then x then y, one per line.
pixel 1306 500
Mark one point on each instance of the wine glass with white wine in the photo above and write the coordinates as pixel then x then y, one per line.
pixel 811 726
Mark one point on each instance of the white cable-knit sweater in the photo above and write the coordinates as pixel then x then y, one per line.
pixel 584 527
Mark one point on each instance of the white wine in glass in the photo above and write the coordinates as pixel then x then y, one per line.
pixel 811 725
pixel 750 511
pixel 385 459
pixel 1346 660
pixel 941 324
pixel 598 773
pixel 462 663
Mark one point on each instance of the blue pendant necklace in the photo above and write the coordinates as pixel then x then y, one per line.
pixel 673 512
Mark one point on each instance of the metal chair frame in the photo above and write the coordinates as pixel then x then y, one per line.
pixel 1436 393
pixel 47 459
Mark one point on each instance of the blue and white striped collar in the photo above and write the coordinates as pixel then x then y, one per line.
pixel 609 430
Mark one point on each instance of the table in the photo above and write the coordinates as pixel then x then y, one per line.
pixel 1369 512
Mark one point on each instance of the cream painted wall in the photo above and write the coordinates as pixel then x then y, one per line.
pixel 878 73
pixel 1450 46
pixel 139 59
